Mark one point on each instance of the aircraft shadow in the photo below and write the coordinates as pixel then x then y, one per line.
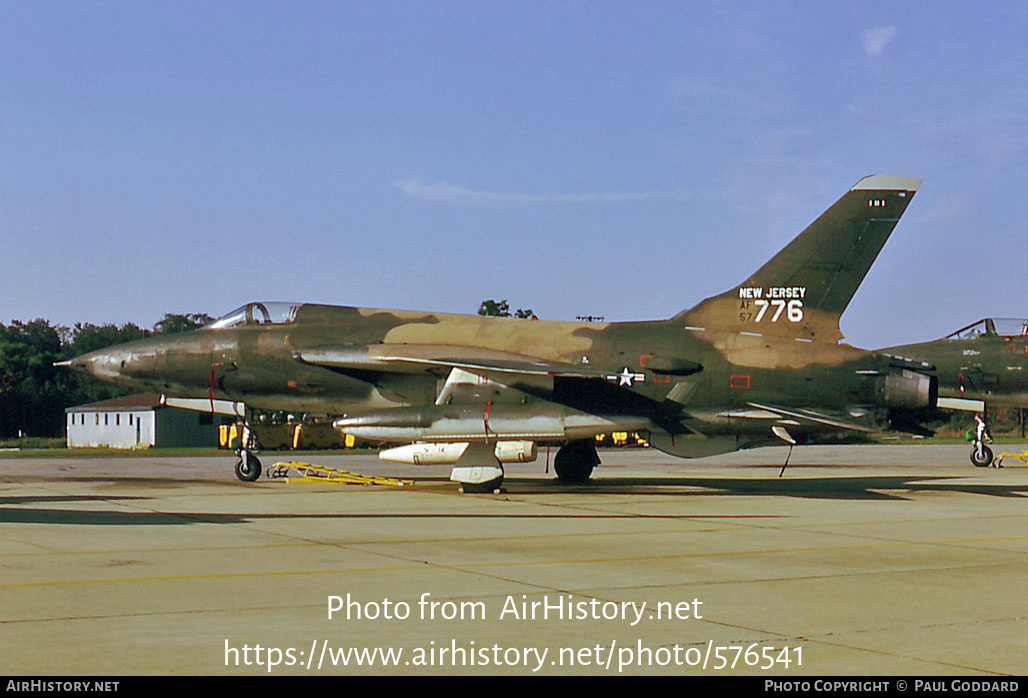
pixel 50 498
pixel 896 488
pixel 852 488
pixel 71 517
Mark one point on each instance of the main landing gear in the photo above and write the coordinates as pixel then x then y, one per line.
pixel 575 461
pixel 479 470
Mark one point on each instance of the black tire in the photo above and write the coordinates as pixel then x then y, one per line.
pixel 986 458
pixel 248 467
pixel 575 461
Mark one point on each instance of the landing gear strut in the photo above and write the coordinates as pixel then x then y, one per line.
pixel 575 461
pixel 248 466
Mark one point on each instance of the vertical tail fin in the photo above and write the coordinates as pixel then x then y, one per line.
pixel 805 288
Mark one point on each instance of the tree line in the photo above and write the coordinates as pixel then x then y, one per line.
pixel 497 308
pixel 34 394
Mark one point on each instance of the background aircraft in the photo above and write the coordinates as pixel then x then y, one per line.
pixel 758 364
pixel 985 363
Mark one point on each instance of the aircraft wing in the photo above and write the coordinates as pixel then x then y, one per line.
pixel 408 358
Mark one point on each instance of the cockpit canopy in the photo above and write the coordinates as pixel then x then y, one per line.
pixel 995 327
pixel 257 313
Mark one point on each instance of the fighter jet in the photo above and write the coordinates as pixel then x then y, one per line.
pixel 983 363
pixel 761 363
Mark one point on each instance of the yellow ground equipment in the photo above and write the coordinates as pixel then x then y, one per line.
pixel 273 437
pixel 276 437
pixel 321 474
pixel 621 439
pixel 1022 456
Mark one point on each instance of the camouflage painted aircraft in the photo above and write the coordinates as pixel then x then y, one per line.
pixel 983 363
pixel 759 364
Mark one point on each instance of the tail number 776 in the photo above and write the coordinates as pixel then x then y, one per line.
pixel 793 309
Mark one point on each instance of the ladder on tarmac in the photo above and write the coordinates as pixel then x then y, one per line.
pixel 1022 456
pixel 311 473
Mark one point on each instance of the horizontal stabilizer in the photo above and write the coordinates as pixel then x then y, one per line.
pixel 801 417
pixel 910 364
pixel 961 404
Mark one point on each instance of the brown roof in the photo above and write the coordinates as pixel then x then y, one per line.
pixel 140 401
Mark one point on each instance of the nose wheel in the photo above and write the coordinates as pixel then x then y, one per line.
pixel 981 455
pixel 248 467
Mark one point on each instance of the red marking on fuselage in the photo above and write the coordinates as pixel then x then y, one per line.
pixel 739 382
pixel 656 378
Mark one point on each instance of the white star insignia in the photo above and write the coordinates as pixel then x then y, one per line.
pixel 626 377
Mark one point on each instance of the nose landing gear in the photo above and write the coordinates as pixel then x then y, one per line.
pixel 981 455
pixel 248 465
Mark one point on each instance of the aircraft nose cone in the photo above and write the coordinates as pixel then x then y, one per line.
pixel 106 364
pixel 102 364
pixel 86 362
pixel 114 363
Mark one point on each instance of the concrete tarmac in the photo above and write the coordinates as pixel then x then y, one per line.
pixel 861 560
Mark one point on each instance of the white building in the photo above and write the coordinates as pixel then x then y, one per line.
pixel 138 421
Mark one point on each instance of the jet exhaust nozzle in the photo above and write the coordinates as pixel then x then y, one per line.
pixel 910 390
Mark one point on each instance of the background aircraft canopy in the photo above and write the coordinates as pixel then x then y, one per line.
pixel 1000 326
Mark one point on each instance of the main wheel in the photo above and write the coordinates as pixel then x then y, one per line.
pixel 248 467
pixel 983 459
pixel 575 461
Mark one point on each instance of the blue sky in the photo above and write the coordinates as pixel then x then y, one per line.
pixel 616 159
